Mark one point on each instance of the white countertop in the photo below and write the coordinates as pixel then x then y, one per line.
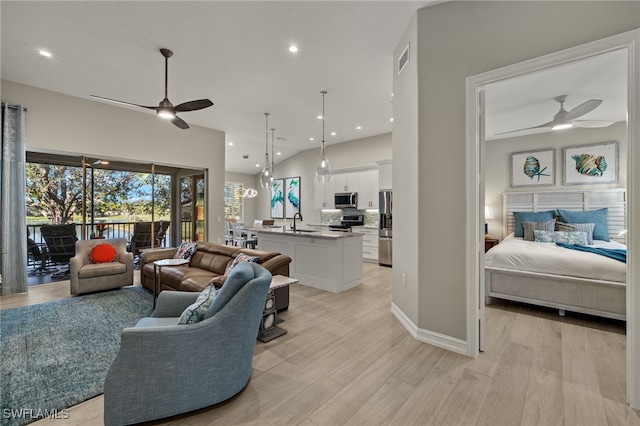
pixel 307 233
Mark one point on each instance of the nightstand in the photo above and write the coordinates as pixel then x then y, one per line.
pixel 490 242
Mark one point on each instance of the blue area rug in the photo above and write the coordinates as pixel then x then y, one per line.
pixel 55 355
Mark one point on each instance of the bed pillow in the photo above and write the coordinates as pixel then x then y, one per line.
pixel 578 227
pixel 560 237
pixel 529 227
pixel 599 217
pixel 520 217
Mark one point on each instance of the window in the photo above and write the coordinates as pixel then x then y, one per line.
pixel 233 200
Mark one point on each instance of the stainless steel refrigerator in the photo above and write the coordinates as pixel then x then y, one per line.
pixel 385 235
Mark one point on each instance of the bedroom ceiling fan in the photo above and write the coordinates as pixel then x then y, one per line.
pixel 564 119
pixel 165 108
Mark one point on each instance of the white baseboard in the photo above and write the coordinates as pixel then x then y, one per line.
pixel 436 339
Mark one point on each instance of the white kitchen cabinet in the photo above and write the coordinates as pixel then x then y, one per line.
pixel 323 194
pixel 386 175
pixel 369 243
pixel 345 182
pixel 368 189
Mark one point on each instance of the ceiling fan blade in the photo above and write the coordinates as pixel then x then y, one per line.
pixel 122 102
pixel 180 123
pixel 582 109
pixel 193 105
pixel 592 123
pixel 527 128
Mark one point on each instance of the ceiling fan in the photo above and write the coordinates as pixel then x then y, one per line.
pixel 564 119
pixel 165 108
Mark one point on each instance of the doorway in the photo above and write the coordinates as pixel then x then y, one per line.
pixel 476 85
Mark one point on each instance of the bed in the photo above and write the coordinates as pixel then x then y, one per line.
pixel 546 274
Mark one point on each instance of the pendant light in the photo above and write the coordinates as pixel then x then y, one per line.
pixel 265 176
pixel 323 169
pixel 273 136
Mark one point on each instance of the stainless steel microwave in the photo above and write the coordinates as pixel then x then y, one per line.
pixel 345 200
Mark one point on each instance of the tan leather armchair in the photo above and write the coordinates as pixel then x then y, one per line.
pixel 87 277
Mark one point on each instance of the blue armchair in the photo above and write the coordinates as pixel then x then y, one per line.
pixel 164 369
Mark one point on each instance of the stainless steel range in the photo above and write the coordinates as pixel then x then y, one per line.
pixel 347 221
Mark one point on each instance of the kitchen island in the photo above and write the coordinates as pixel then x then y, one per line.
pixel 330 261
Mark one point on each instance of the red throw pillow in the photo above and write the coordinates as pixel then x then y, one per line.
pixel 103 253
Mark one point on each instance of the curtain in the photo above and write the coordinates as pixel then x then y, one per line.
pixel 13 221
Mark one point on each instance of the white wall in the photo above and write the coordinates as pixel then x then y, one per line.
pixel 355 153
pixel 407 221
pixel 66 124
pixel 250 205
pixel 456 40
pixel 498 163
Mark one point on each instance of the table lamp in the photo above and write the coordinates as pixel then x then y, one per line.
pixel 487 215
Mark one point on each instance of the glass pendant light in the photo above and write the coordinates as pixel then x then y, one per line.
pixel 323 169
pixel 273 136
pixel 265 176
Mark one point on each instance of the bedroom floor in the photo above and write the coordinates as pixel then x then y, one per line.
pixel 347 360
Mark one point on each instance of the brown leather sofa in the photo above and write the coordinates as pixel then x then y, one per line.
pixel 208 264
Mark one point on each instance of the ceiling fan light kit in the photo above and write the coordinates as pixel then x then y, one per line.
pixel 165 108
pixel 564 119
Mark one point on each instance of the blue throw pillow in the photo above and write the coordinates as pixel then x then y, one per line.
pixel 195 312
pixel 599 217
pixel 520 217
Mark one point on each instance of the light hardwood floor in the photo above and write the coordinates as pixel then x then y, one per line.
pixel 347 360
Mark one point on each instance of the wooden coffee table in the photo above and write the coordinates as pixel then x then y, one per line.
pixel 157 274
pixel 269 329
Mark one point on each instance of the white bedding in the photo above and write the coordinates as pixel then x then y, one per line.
pixel 518 254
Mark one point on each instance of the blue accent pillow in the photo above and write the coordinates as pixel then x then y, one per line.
pixel 520 217
pixel 195 312
pixel 599 217
pixel 573 237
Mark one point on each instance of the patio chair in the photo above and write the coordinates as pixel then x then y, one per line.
pixel 141 238
pixel 162 232
pixel 61 244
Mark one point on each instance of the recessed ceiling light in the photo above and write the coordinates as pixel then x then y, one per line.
pixel 333 133
pixel 230 144
pixel 278 153
pixel 311 139
pixel 293 49
pixel 358 127
pixel 391 119
pixel 257 165
pixel 319 117
pixel 45 53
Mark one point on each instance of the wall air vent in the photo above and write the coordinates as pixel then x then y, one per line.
pixel 404 59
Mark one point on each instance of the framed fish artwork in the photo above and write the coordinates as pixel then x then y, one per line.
pixel 292 196
pixel 533 168
pixel 590 164
pixel 277 199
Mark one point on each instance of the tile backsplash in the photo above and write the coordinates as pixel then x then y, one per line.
pixel 332 217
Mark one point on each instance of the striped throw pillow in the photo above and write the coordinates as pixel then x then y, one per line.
pixel 529 227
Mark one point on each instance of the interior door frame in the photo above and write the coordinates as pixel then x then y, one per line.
pixel 629 42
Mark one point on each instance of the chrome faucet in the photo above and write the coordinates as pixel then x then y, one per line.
pixel 294 220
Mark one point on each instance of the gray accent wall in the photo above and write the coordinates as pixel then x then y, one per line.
pixel 498 163
pixel 456 40
pixel 65 124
